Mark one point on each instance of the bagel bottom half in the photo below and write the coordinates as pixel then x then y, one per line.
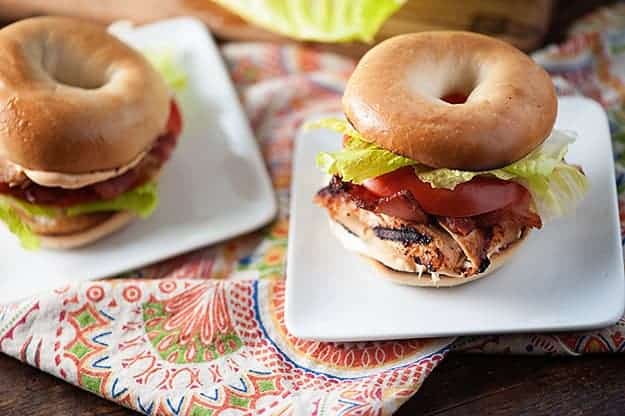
pixel 115 222
pixel 370 250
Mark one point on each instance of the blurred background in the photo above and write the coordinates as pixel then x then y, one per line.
pixel 347 26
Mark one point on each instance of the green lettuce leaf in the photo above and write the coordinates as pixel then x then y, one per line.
pixel 22 231
pixel 358 160
pixel 141 201
pixel 540 162
pixel 33 210
pixel 317 20
pixel 165 63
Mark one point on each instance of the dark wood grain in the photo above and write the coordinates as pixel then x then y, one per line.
pixel 25 390
pixel 461 385
pixel 512 385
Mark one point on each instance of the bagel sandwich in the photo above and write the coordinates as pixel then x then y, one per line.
pixel 449 157
pixel 86 125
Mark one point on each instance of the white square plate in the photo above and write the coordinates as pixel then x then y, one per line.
pixel 567 276
pixel 214 187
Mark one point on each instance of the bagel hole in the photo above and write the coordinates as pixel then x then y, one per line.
pixel 460 86
pixel 455 98
pixel 72 79
pixel 72 70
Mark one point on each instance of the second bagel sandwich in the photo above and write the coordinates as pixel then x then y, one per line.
pixel 449 157
pixel 86 124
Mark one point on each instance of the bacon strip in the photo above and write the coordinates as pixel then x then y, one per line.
pixel 401 204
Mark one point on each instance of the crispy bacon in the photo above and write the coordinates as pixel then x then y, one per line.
pixel 401 204
pixel 146 169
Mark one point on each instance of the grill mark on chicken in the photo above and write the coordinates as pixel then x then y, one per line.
pixel 346 228
pixel 484 265
pixel 405 235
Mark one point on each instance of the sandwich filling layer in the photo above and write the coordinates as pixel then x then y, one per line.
pixel 461 247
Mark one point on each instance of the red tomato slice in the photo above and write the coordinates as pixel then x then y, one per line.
pixel 455 98
pixel 478 196
pixel 174 124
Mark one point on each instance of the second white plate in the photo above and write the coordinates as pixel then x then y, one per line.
pixel 214 187
pixel 567 276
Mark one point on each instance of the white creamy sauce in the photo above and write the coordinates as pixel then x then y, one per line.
pixel 75 181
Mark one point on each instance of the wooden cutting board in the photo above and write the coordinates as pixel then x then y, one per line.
pixel 521 22
pixel 221 22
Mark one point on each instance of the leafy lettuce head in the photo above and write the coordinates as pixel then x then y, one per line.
pixel 317 20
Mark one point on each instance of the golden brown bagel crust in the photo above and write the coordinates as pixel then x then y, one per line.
pixel 393 98
pixel 61 225
pixel 91 235
pixel 74 99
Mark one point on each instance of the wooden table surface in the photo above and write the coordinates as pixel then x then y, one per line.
pixel 461 385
